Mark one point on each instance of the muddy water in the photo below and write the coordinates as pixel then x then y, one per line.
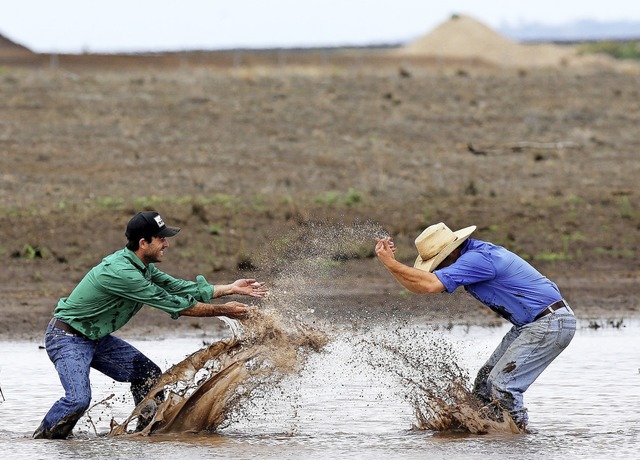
pixel 340 406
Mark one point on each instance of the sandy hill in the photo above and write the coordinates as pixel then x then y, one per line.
pixel 463 37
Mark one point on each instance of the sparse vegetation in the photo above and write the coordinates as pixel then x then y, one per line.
pixel 30 252
pixel 617 49
pixel 626 209
pixel 246 160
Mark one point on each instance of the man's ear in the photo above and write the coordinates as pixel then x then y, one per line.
pixel 142 243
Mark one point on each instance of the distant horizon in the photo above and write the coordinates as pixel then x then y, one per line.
pixel 582 30
pixel 531 33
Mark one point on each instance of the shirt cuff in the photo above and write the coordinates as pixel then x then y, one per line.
pixel 205 290
pixel 446 281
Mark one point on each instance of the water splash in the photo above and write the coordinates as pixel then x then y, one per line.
pixel 426 364
pixel 198 393
pixel 301 265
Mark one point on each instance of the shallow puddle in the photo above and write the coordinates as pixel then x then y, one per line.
pixel 339 406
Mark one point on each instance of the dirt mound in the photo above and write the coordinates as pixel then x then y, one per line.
pixel 12 53
pixel 11 49
pixel 463 37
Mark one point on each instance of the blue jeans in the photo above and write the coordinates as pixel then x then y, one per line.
pixel 72 356
pixel 523 354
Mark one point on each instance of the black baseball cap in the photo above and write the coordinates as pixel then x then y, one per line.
pixel 147 224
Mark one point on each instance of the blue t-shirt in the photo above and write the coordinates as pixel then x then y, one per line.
pixel 501 280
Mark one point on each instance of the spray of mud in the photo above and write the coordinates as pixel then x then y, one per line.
pixel 198 393
pixel 203 391
pixel 303 265
pixel 426 364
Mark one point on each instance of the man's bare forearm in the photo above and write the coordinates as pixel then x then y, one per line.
pixel 417 281
pixel 206 309
pixel 222 290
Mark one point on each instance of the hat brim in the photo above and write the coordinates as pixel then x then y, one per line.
pixel 431 264
pixel 167 232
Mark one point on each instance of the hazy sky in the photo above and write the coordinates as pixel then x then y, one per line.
pixel 153 25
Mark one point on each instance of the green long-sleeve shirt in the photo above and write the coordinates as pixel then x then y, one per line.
pixel 117 288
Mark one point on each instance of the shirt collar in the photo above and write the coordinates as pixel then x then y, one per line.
pixel 465 246
pixel 134 259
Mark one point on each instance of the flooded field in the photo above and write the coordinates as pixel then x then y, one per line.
pixel 584 406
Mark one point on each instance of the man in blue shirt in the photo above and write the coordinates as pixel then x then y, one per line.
pixel 543 322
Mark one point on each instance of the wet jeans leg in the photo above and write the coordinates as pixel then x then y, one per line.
pixel 71 356
pixel 124 363
pixel 481 387
pixel 536 345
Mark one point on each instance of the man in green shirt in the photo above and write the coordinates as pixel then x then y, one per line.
pixel 79 335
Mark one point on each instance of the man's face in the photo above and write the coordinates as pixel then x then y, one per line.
pixel 153 252
pixel 451 258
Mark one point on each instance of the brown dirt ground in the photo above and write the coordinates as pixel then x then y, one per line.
pixel 247 152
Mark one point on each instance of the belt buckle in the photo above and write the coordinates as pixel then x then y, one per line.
pixel 550 309
pixel 69 331
pixel 563 304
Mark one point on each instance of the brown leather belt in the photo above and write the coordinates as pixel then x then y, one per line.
pixel 551 308
pixel 59 324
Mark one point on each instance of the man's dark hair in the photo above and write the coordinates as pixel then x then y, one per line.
pixel 134 245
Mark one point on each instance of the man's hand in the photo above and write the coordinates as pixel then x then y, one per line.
pixel 385 250
pixel 249 287
pixel 235 310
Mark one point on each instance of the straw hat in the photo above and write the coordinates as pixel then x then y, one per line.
pixel 436 243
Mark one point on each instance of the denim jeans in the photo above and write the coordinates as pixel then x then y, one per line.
pixel 523 354
pixel 72 356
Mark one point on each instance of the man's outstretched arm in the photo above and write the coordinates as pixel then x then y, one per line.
pixel 414 279
pixel 234 310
